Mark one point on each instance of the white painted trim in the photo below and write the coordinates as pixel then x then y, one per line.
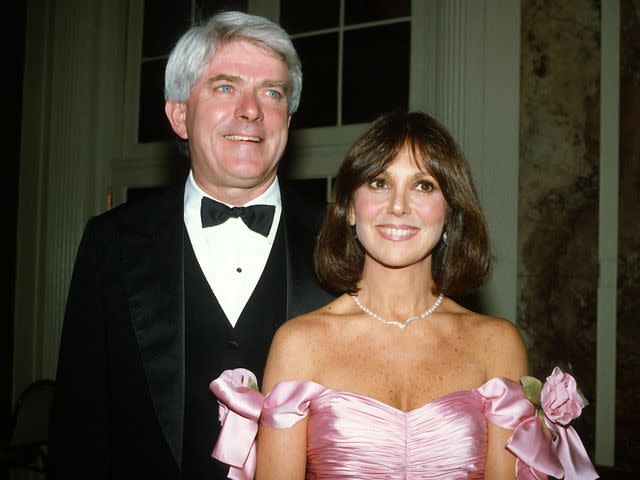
pixel 608 234
pixel 477 96
pixel 71 108
pixel 499 127
pixel 424 47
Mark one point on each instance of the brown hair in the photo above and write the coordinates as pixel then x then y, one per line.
pixel 458 267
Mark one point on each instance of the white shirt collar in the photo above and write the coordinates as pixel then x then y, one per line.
pixel 231 256
pixel 193 194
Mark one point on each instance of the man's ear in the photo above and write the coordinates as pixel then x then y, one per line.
pixel 177 115
pixel 289 121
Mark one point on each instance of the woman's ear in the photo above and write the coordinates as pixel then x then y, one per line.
pixel 352 216
pixel 177 114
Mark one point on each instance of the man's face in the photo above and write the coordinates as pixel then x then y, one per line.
pixel 236 121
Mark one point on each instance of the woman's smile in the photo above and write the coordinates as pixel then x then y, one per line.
pixel 397 233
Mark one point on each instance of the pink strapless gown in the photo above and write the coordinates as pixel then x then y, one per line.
pixel 352 436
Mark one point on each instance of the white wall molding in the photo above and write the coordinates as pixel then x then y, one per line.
pixel 475 66
pixel 69 108
pixel 607 312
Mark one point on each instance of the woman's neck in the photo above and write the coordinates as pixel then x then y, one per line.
pixel 396 294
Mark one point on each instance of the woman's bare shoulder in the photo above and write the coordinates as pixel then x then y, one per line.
pixel 486 326
pixel 300 344
pixel 497 342
pixel 308 327
pixel 506 354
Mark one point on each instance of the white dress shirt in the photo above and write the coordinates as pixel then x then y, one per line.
pixel 231 256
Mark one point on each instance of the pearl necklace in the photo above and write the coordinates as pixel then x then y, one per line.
pixel 401 325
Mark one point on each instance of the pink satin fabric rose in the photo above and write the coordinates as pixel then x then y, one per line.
pixel 543 449
pixel 559 398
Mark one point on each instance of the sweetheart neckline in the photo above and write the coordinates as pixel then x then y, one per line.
pixel 435 401
pixel 432 403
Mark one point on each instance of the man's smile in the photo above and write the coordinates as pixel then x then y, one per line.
pixel 245 138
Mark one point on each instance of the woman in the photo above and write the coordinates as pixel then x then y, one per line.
pixel 394 379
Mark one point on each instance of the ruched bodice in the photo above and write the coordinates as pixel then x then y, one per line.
pixel 356 437
pixel 352 436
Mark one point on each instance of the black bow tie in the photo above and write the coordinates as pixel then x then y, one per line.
pixel 257 217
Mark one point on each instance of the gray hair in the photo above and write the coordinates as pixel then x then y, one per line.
pixel 197 46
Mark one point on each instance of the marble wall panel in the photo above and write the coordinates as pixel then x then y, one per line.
pixel 558 191
pixel 628 352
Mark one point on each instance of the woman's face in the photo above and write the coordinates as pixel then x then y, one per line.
pixel 399 215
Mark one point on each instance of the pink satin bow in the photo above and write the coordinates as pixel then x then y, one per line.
pixel 539 451
pixel 242 407
pixel 236 444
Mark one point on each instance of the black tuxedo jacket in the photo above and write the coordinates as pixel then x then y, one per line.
pixel 119 399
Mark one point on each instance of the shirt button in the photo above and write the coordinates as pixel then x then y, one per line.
pixel 239 270
pixel 233 344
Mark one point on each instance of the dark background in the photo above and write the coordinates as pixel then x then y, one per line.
pixel 13 35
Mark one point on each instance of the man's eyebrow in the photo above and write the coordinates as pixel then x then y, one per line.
pixel 224 77
pixel 277 83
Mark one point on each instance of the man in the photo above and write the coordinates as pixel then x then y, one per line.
pixel 170 291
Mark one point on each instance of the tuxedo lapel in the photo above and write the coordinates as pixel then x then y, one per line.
pixel 153 271
pixel 152 257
